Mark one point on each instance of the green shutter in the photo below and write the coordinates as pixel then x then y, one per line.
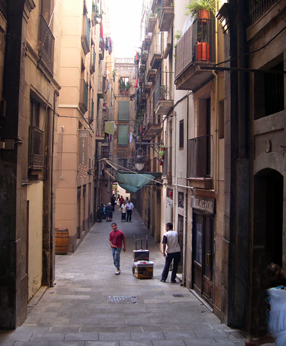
pixel 123 134
pixel 123 110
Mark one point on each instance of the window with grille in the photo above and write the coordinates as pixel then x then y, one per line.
pixel 181 135
pixel 122 134
pixel 123 110
pixel 269 92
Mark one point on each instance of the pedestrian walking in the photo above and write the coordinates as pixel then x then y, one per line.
pixel 129 209
pixel 112 201
pixel 123 211
pixel 121 200
pixel 115 240
pixel 173 252
pixel 109 212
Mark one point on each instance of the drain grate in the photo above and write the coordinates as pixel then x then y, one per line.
pixel 178 295
pixel 122 299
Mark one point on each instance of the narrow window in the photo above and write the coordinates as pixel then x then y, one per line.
pixel 181 135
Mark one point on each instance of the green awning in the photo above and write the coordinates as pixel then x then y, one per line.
pixel 133 182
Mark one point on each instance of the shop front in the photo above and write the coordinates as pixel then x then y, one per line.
pixel 203 248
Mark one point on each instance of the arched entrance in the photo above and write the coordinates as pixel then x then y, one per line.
pixel 267 238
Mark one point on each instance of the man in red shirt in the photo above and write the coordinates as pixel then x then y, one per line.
pixel 115 240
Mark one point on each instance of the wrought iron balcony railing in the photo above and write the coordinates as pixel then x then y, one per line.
pixel 196 45
pixel 46 44
pixel 258 8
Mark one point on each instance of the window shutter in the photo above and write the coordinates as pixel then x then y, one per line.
pixel 123 110
pixel 123 134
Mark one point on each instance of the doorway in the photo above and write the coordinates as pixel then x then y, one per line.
pixel 267 237
pixel 203 256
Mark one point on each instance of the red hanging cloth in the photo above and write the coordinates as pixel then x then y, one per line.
pixel 136 83
pixel 101 28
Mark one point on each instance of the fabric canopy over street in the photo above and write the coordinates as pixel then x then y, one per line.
pixel 133 182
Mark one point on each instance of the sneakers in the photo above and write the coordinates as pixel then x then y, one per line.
pixel 163 280
pixel 173 281
pixel 118 271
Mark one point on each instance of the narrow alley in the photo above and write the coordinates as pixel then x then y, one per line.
pixel 80 310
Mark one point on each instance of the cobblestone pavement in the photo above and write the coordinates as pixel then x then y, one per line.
pixel 80 310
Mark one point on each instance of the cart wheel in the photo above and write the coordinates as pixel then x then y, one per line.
pixel 133 270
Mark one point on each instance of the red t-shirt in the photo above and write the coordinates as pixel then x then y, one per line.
pixel 116 238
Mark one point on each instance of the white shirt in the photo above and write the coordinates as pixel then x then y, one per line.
pixel 123 208
pixel 129 206
pixel 171 238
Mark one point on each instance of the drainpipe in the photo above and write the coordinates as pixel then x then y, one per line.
pixel 216 153
pixel 52 252
pixel 185 234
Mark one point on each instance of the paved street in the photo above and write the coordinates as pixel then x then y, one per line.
pixel 80 310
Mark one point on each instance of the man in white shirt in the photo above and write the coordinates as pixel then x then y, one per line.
pixel 129 209
pixel 173 252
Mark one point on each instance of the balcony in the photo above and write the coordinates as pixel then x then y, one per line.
pixel 83 99
pixel 151 75
pixel 151 23
pixel 194 51
pixel 199 162
pixel 92 61
pixel 153 128
pixel 155 52
pixel 85 37
pixel 146 43
pixel 257 9
pixel 147 87
pixel 167 15
pixel 100 87
pixel 46 44
pixel 162 100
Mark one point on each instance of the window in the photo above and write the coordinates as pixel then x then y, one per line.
pixel 123 110
pixel 35 113
pixel 269 92
pixel 36 138
pixel 181 135
pixel 123 134
pixel 274 91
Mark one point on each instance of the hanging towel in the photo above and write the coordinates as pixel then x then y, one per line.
pixel 109 127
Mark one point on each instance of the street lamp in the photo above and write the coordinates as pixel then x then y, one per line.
pixel 139 159
pixel 139 154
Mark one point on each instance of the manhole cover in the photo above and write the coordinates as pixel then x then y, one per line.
pixel 178 295
pixel 122 300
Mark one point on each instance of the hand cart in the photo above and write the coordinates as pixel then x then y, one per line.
pixel 142 268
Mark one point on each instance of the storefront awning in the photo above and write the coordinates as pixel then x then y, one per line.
pixel 133 182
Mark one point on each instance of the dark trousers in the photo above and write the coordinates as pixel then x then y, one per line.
pixel 176 256
pixel 129 215
pixel 123 216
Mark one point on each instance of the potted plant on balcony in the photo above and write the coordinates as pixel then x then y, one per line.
pixel 202 10
pixel 161 155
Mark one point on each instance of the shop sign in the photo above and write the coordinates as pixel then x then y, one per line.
pixel 83 153
pixel 203 203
